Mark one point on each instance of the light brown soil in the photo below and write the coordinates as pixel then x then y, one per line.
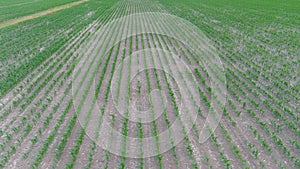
pixel 39 14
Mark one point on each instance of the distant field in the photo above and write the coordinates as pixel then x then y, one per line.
pixel 56 67
pixel 16 8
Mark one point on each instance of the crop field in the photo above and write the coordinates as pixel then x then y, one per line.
pixel 153 84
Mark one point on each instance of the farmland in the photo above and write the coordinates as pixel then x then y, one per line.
pixel 149 84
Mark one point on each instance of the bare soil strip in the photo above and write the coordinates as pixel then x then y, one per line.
pixel 39 14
